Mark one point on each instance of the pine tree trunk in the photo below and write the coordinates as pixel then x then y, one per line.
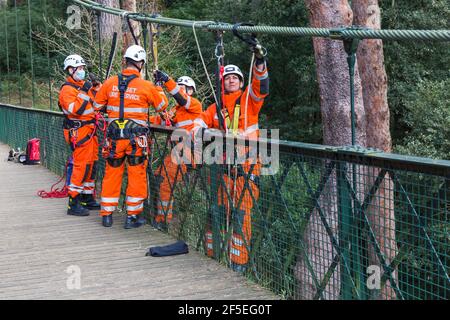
pixel 333 77
pixel 109 23
pixel 373 76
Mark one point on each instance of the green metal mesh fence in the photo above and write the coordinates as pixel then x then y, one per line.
pixel 332 223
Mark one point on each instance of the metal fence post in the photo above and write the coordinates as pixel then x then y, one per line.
pixel 345 228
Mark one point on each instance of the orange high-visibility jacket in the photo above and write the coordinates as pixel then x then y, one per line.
pixel 139 95
pixel 156 120
pixel 76 104
pixel 257 92
pixel 187 109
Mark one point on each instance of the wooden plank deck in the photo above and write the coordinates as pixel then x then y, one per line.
pixel 39 242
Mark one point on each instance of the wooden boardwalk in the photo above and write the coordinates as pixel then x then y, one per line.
pixel 40 243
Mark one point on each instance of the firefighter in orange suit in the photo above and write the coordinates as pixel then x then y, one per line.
pixel 241 119
pixel 187 110
pixel 75 100
pixel 127 98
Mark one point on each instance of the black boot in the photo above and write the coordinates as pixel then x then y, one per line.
pixel 107 221
pixel 88 201
pixel 241 268
pixel 75 208
pixel 134 221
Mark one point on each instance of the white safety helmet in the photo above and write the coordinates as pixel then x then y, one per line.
pixel 74 61
pixel 187 81
pixel 232 69
pixel 136 53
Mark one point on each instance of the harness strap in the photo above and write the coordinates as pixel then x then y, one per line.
pixel 73 85
pixel 133 147
pixel 123 85
pixel 236 113
pixel 113 149
pixel 75 124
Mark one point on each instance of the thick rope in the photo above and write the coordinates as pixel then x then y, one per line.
pixel 248 90
pixel 336 33
pixel 203 63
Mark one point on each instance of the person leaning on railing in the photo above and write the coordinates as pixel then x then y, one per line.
pixel 182 116
pixel 127 98
pixel 75 101
pixel 241 119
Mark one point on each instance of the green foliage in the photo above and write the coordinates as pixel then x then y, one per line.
pixel 417 74
pixel 10 35
pixel 427 117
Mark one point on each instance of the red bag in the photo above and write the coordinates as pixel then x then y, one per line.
pixel 33 154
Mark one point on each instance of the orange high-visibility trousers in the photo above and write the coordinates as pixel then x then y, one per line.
pixel 241 219
pixel 84 157
pixel 136 191
pixel 172 172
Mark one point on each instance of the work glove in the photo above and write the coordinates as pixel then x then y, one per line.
pixel 94 79
pixel 160 76
pixel 259 53
pixel 166 116
pixel 86 86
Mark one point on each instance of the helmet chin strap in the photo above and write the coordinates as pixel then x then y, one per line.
pixel 135 65
pixel 74 71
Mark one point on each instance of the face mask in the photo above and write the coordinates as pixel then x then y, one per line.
pixel 79 75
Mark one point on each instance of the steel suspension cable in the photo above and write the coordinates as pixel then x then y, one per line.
pixel 333 33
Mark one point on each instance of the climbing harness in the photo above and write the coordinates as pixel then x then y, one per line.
pixel 122 128
pixel 74 125
pixel 233 125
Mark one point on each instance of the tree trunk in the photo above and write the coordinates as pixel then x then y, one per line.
pixel 109 23
pixel 373 76
pixel 333 77
pixel 128 40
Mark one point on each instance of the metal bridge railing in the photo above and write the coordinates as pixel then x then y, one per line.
pixel 316 231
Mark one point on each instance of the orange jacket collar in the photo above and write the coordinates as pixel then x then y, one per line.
pixel 230 98
pixel 129 71
pixel 78 83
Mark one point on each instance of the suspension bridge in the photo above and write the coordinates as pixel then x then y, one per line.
pixel 323 226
